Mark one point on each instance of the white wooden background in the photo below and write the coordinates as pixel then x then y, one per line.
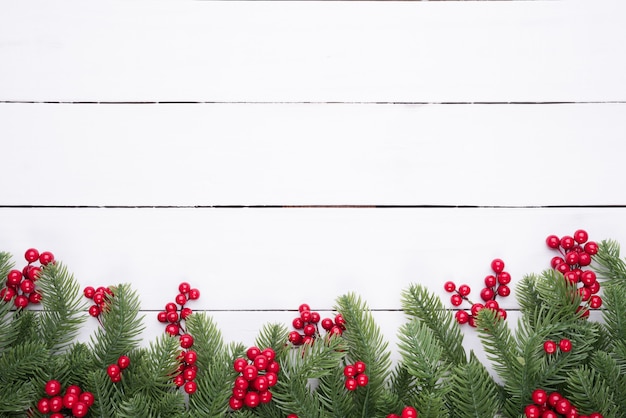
pixel 275 153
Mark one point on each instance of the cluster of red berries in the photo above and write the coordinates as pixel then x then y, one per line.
pixel 257 374
pixel 176 312
pixel 553 405
pixel 20 285
pixel 576 253
pixel 100 297
pixel 115 370
pixel 188 369
pixel 355 375
pixel 496 284
pixel 74 401
pixel 174 315
pixel 550 347
pixel 407 412
pixel 307 323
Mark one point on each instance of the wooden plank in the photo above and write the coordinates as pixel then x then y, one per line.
pixel 275 259
pixel 72 50
pixel 297 154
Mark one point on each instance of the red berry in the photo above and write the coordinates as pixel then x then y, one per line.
pixel 340 321
pixel 113 370
pixel 252 399
pixel 491 281
pixel 295 338
pixel 53 387
pixel 260 362
pixel 562 406
pixel 181 299
pixel 556 261
pixel 191 387
pixel 265 396
pixel 464 290
pixel 553 241
pixel 571 277
pixel 563 268
pixel 162 316
pixel 584 259
pixel 549 347
pixel 497 265
pixel 581 236
pixel 585 293
pixel 504 291
pixel 309 329
pixel 272 378
pixel 595 302
pixel 349 370
pixel 487 294
pixel 269 353
pixel 56 403
pixel 249 372
pixel 315 317
pixel 362 379
pixel 46 258
pixel 502 313
pixel 172 329
pixel 235 403
pixel 89 292
pixel 360 366
pixel 7 294
pixel 327 323
pixel 449 286
pixel 31 255
pixel 27 286
pixel 69 400
pixel 171 317
pixel 43 405
pixel 57 415
pixel 184 287
pixel 14 278
pixel 553 398
pixel 76 390
pixel 273 367
pixel 532 411
pixel 123 362
pixel 252 352
pixel 588 277
pixel 462 317
pixel 171 307
pixel 504 278
pixel 594 287
pixel 179 380
pixel 260 384
pixel 567 242
pixel 194 294
pixel 186 341
pixel 20 301
pixel 191 357
pixel 572 258
pixel 185 312
pixel 79 409
pixel 476 308
pixel 351 383
pixel 456 299
pixel 492 304
pixel 304 307
pixel 566 346
pixel 297 323
pixel 549 414
pixel 409 412
pixel 33 272
pixel 591 248
pixel 540 397
pixel 87 398
pixel 306 316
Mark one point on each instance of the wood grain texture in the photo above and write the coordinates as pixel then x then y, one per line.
pixel 313 154
pixel 72 50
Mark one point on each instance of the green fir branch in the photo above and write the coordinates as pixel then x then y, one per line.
pixel 473 391
pixel 63 307
pixel 301 368
pixel 337 400
pixel 614 312
pixel 590 393
pixel 8 331
pixel 16 401
pixel 418 302
pixel 422 355
pixel 121 326
pixel 215 375
pixel 610 268
pixel 365 343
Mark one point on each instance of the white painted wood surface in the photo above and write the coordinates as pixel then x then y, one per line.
pixel 264 133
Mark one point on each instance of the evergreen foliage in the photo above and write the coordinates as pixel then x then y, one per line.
pixel 434 373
